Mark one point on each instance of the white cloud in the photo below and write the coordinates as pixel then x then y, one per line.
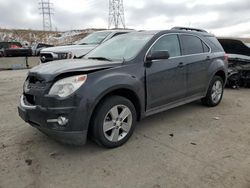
pixel 228 17
pixel 235 30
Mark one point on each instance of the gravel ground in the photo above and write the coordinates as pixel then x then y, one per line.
pixel 189 146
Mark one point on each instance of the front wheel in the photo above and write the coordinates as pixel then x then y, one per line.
pixel 214 93
pixel 113 122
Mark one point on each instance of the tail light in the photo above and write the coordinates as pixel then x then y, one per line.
pixel 226 57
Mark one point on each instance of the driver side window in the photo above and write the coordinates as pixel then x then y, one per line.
pixel 168 43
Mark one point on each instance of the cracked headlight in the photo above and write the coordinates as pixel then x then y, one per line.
pixel 67 86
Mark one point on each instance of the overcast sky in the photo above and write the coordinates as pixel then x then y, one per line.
pixel 221 17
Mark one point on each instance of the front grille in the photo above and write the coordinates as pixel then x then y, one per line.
pixel 46 57
pixel 35 83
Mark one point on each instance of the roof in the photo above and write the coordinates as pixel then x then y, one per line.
pixel 116 30
pixel 153 32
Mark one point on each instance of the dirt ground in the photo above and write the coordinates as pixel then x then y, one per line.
pixel 189 146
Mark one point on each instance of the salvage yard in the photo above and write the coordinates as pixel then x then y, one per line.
pixel 189 146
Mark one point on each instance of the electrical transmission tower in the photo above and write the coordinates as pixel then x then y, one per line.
pixel 46 11
pixel 116 14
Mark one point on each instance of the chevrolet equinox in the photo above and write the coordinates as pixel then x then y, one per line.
pixel 123 80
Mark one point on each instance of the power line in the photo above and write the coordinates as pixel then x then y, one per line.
pixel 116 14
pixel 46 11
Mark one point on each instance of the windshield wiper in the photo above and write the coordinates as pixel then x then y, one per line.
pixel 84 43
pixel 100 58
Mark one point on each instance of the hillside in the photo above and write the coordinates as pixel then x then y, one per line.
pixel 49 37
pixel 54 37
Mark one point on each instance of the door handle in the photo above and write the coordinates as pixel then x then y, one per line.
pixel 181 64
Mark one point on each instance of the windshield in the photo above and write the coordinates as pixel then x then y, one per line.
pixel 121 47
pixel 94 38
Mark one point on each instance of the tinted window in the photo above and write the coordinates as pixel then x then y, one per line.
pixel 205 47
pixel 214 44
pixel 168 43
pixel 191 45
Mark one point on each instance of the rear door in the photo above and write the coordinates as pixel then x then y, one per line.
pixel 165 79
pixel 197 59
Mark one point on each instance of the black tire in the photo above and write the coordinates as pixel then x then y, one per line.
pixel 208 101
pixel 100 116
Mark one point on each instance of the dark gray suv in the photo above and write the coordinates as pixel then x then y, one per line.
pixel 122 81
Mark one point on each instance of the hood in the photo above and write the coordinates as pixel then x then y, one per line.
pixel 234 46
pixel 77 50
pixel 49 71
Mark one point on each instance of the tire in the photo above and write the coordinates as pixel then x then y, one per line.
pixel 113 122
pixel 214 93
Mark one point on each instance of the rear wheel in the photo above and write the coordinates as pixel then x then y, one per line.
pixel 114 121
pixel 214 93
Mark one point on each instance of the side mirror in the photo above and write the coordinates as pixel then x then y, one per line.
pixel 157 55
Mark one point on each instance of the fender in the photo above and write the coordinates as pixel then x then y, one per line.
pixel 216 66
pixel 108 82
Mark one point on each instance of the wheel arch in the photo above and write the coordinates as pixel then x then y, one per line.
pixel 221 74
pixel 123 92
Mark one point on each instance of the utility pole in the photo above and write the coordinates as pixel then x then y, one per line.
pixel 46 10
pixel 116 14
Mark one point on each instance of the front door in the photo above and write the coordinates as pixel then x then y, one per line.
pixel 166 79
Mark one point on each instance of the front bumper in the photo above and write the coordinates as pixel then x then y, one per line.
pixel 39 117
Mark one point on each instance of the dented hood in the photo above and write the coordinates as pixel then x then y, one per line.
pixel 49 71
pixel 234 46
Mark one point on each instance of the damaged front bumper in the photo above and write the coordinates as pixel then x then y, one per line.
pixel 44 119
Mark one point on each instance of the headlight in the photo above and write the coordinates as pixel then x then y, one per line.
pixel 68 55
pixel 67 86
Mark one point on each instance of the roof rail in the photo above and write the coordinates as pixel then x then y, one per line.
pixel 189 29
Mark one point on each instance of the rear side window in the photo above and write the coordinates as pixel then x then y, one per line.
pixel 214 44
pixel 205 47
pixel 191 45
pixel 168 43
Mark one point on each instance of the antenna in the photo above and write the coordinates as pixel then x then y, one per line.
pixel 46 10
pixel 116 14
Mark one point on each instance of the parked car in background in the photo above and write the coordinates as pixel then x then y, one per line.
pixel 239 62
pixel 1 52
pixel 80 48
pixel 14 49
pixel 121 81
pixel 18 52
pixel 36 49
pixel 8 45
